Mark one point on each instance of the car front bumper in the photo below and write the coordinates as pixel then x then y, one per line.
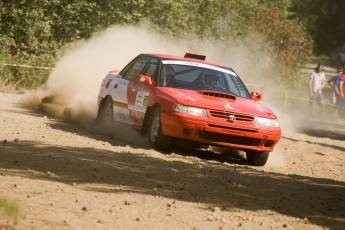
pixel 240 135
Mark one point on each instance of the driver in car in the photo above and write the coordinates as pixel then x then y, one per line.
pixel 208 80
pixel 211 81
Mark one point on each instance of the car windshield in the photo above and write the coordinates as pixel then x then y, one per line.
pixel 199 76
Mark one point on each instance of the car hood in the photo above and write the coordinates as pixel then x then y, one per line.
pixel 219 101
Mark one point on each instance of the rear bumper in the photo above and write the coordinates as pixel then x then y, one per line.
pixel 238 135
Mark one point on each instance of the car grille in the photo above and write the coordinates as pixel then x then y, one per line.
pixel 239 140
pixel 226 115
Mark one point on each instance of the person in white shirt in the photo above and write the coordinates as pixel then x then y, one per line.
pixel 316 83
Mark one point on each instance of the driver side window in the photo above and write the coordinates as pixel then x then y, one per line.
pixel 150 68
pixel 135 69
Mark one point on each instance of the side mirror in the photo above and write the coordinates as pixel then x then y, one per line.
pixel 145 79
pixel 256 96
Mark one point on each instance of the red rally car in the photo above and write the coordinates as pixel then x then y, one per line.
pixel 191 99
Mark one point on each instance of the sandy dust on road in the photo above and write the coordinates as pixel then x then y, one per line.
pixel 68 176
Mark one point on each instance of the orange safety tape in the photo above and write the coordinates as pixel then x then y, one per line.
pixel 28 66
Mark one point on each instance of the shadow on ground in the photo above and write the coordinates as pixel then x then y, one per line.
pixel 210 182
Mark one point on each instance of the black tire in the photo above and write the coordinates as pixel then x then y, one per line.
pixel 105 111
pixel 154 133
pixel 257 158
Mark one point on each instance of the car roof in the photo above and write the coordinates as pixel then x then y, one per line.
pixel 168 57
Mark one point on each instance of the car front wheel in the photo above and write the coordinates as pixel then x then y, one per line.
pixel 257 158
pixel 156 138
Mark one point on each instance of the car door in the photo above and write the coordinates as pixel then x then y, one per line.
pixel 118 86
pixel 138 92
pixel 131 95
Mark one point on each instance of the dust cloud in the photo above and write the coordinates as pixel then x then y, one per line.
pixel 73 85
pixel 76 78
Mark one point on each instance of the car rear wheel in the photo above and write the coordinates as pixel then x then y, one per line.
pixel 105 111
pixel 257 158
pixel 155 136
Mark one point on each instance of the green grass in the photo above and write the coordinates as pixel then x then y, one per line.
pixel 10 210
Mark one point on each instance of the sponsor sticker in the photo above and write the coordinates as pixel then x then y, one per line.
pixel 145 100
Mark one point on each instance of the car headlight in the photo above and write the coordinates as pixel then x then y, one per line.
pixel 266 122
pixel 194 111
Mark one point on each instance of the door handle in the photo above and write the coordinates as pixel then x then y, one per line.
pixel 133 90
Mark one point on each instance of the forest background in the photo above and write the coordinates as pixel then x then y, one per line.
pixel 36 32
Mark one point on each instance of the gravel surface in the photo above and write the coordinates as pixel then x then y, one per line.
pixel 66 175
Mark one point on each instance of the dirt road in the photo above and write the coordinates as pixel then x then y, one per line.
pixel 68 176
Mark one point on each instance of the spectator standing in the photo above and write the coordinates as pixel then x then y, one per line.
pixel 334 83
pixel 342 89
pixel 316 83
pixel 340 109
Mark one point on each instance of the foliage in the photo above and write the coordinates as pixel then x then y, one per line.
pixel 324 21
pixel 34 32
pixel 208 19
pixel 288 40
pixel 25 39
